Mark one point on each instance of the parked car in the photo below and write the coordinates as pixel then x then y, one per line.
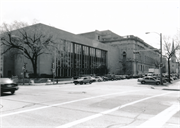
pixel 149 80
pixel 164 80
pixel 129 76
pixel 93 79
pixel 98 79
pixel 83 80
pixel 167 79
pixel 118 77
pixel 107 78
pixel 174 77
pixel 8 85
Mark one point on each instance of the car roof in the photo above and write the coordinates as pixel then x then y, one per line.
pixel 5 80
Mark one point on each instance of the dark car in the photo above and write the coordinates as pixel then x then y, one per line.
pixel 8 85
pixel 149 80
pixel 109 77
pixel 105 78
pixel 84 80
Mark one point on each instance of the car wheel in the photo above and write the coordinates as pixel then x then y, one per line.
pixel 142 82
pixel 99 80
pixel 81 82
pixel 157 83
pixel 12 92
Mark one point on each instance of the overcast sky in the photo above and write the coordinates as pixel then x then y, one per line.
pixel 123 17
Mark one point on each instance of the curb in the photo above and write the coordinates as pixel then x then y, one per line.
pixel 43 84
pixel 168 86
pixel 58 83
pixel 171 89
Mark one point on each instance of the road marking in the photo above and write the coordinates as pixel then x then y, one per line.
pixel 159 120
pixel 59 104
pixel 175 125
pixel 106 112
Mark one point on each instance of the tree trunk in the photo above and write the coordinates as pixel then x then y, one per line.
pixel 169 80
pixel 34 65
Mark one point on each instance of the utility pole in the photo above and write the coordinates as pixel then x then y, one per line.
pixel 161 65
pixel 24 65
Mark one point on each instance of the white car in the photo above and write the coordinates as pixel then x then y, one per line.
pixel 98 79
pixel 8 85
pixel 148 80
pixel 83 80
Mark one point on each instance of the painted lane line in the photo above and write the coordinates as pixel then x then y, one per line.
pixel 106 112
pixel 159 120
pixel 68 102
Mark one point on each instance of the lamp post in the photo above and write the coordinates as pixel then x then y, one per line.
pixel 160 34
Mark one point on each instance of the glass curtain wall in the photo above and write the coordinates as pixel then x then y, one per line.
pixel 73 59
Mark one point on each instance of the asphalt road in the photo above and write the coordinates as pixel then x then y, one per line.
pixel 112 104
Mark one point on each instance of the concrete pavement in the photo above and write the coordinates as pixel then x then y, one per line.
pixel 174 86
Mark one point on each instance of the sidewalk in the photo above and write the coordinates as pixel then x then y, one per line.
pixel 62 81
pixel 174 86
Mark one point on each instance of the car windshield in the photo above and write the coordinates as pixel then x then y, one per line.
pixel 5 80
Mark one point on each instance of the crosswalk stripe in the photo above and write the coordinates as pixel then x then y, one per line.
pixel 64 103
pixel 70 124
pixel 159 120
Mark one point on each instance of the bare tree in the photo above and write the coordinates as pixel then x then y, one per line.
pixel 29 41
pixel 170 47
pixel 177 39
pixel 156 63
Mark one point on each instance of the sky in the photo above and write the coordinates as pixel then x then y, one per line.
pixel 123 17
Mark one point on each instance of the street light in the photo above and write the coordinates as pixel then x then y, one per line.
pixel 160 34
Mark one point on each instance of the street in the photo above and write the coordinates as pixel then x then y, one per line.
pixel 112 104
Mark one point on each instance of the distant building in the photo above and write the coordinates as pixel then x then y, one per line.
pixel 135 56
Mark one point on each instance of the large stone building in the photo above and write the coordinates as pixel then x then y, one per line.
pixel 135 56
pixel 76 55
pixel 85 53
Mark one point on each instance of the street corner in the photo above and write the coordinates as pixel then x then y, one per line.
pixel 171 89
pixel 173 86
